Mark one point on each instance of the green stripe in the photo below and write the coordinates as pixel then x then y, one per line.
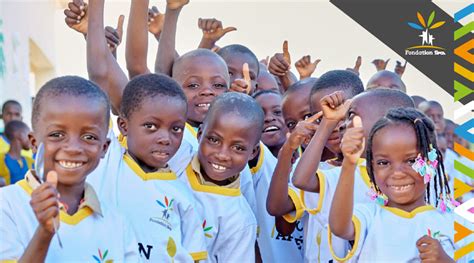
pixel 463 30
pixel 463 169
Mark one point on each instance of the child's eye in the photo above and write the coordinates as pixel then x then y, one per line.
pixel 277 112
pixel 411 161
pixel 149 126
pixel 220 86
pixel 231 74
pixel 306 116
pixel 56 135
pixel 193 86
pixel 89 137
pixel 239 148
pixel 212 140
pixel 177 129
pixel 382 162
pixel 290 125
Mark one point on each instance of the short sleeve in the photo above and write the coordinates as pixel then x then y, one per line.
pixel 11 247
pixel 294 195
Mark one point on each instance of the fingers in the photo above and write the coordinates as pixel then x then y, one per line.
pixel 278 66
pixel 245 72
pixel 229 29
pixel 314 117
pixel 286 53
pixel 426 240
pixel 155 11
pixel 239 85
pixel 43 192
pixel 52 178
pixel 76 10
pixel 119 27
pixel 357 122
pixel 316 62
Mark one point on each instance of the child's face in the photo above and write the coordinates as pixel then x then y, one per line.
pixel 235 63
pixel 154 131
pixel 449 134
pixel 274 129
pixel 394 151
pixel 266 81
pixel 295 107
pixel 73 131
pixel 12 112
pixel 334 141
pixel 22 137
pixel 202 78
pixel 226 143
pixel 387 82
pixel 435 113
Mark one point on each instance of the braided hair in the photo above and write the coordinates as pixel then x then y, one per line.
pixel 426 138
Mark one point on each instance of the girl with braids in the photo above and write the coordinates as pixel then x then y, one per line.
pixel 402 161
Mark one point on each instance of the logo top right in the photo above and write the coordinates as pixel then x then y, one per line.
pixel 427 48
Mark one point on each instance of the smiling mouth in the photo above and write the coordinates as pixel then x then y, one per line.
pixel 70 164
pixel 218 168
pixel 401 188
pixel 160 154
pixel 272 128
pixel 204 106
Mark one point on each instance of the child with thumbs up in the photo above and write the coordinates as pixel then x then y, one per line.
pixel 70 119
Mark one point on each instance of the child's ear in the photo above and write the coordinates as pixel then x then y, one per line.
pixel 105 147
pixel 255 151
pixel 122 125
pixel 34 143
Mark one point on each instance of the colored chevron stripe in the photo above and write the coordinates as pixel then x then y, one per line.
pixel 464 169
pixel 463 51
pixel 464 72
pixel 461 232
pixel 463 30
pixel 463 251
pixel 461 90
pixel 460 188
pixel 463 130
pixel 463 151
pixel 463 12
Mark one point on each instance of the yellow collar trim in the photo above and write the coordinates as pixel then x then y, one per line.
pixel 122 140
pixel 411 214
pixel 197 186
pixel 363 172
pixel 162 174
pixel 191 129
pixel 261 156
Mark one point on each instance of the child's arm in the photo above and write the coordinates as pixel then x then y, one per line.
pixel 212 31
pixel 278 201
pixel 102 67
pixel 280 67
pixel 305 67
pixel 44 202
pixel 431 250
pixel 137 39
pixel 399 69
pixel 334 109
pixel 340 215
pixel 165 57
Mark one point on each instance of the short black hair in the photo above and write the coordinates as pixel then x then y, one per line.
pixel 10 102
pixel 426 140
pixel 428 104
pixel 239 49
pixel 343 80
pixel 263 92
pixel 69 86
pixel 297 86
pixel 200 52
pixel 390 97
pixel 397 82
pixel 241 104
pixel 148 86
pixel 12 127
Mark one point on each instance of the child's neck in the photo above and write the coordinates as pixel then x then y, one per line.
pixel 15 150
pixel 71 196
pixel 407 207
pixel 195 124
pixel 146 168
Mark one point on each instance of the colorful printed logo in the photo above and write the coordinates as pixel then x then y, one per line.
pixel 167 207
pixel 102 257
pixel 427 47
pixel 206 229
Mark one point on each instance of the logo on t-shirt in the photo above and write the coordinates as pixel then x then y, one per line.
pixel 206 229
pixel 165 214
pixel 102 257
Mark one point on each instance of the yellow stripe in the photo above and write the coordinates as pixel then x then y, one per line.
pixel 463 72
pixel 322 192
pixel 464 251
pixel 261 155
pixel 4 172
pixel 365 175
pixel 350 254
pixel 193 181
pixel 147 176
pixel 191 129
pixel 199 255
pixel 122 140
pixel 411 214
pixel 299 207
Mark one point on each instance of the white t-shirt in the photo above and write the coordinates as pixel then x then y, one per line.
pixel 88 234
pixel 229 224
pixel 274 247
pixel 160 208
pixel 387 234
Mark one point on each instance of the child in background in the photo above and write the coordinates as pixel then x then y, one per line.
pixel 228 139
pixel 400 147
pixel 386 79
pixel 266 81
pixel 70 119
pixel 435 112
pixel 14 165
pixel 417 100
pixel 11 111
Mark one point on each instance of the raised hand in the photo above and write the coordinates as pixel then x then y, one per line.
pixel 76 16
pixel 155 21
pixel 44 201
pixel 114 35
pixel 212 29
pixel 431 250
pixel 246 74
pixel 278 66
pixel 380 64
pixel 302 133
pixel 286 53
pixel 176 4
pixel 399 69
pixel 335 106
pixel 265 61
pixel 352 143
pixel 240 85
pixel 305 67
pixel 356 68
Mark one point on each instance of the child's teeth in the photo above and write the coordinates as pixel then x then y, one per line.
pixel 218 167
pixel 70 165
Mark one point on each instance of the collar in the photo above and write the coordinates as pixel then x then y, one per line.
pixel 196 167
pixel 191 129
pixel 411 214
pixel 261 156
pixel 89 199
pixel 162 173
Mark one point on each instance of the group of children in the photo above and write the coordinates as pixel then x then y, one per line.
pixel 223 158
